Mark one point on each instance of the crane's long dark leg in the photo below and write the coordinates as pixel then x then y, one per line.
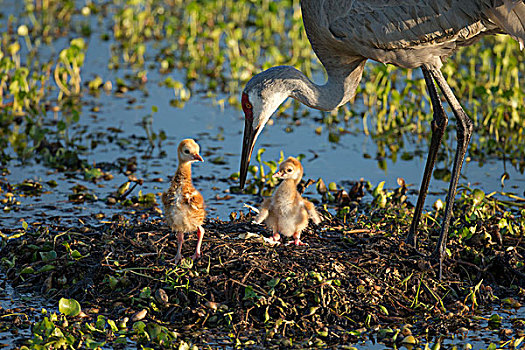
pixel 439 124
pixel 464 128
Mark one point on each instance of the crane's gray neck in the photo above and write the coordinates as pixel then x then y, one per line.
pixel 286 81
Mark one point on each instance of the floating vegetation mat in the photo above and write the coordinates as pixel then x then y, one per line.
pixel 118 285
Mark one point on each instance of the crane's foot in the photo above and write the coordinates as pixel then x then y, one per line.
pixel 411 240
pixel 439 256
pixel 176 260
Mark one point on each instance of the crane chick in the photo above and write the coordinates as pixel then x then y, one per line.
pixel 183 204
pixel 286 212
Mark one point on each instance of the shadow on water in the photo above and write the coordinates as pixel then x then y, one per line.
pixel 17 309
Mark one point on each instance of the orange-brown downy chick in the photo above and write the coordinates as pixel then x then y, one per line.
pixel 183 204
pixel 286 212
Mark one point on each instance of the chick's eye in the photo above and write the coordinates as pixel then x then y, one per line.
pixel 288 170
pixel 186 151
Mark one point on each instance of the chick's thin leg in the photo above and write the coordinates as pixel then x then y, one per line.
pixel 180 240
pixel 200 234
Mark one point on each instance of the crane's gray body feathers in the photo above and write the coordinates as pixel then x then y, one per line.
pixel 406 33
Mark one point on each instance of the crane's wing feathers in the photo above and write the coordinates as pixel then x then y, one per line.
pixel 407 33
pixel 400 24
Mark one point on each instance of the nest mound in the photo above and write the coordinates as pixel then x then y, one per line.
pixel 347 278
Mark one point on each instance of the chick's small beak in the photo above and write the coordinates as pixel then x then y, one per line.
pixel 278 174
pixel 248 143
pixel 198 157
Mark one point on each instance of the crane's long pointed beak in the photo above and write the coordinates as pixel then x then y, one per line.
pixel 248 143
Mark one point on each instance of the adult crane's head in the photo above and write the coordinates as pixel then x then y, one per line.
pixel 261 97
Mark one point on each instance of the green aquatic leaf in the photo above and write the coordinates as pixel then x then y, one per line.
pixel 27 270
pixel 113 325
pixel 69 307
pixel 46 268
pixel 92 344
pixel 48 256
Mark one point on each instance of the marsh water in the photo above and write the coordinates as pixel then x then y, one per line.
pixel 218 129
pixel 116 126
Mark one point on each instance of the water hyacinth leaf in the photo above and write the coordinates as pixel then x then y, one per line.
pixel 57 333
pixel 123 188
pixel 253 169
pixel 511 302
pixel 69 307
pixel 356 332
pixel 478 196
pixel 383 309
pixel 266 315
pixel 378 189
pixel 323 332
pixel 46 268
pixel 273 282
pixel 145 293
pixel 260 151
pixel 25 225
pixel 27 270
pixel 184 346
pixel 219 160
pixel 140 329
pixel 272 165
pixel 321 187
pixel 96 83
pixel 92 344
pixel 48 256
pixel 311 310
pixel 495 318
pixel 113 282
pixel 101 322
pixel 75 254
pixel 333 137
pixel 154 330
pixel 249 293
pixel 502 223
pixel 113 325
pixel 148 198
pixel 92 174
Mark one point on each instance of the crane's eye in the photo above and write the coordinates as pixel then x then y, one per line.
pixel 248 105
pixel 186 151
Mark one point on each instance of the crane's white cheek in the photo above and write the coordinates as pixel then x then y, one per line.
pixel 264 107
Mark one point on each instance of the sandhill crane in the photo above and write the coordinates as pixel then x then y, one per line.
pixel 405 33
